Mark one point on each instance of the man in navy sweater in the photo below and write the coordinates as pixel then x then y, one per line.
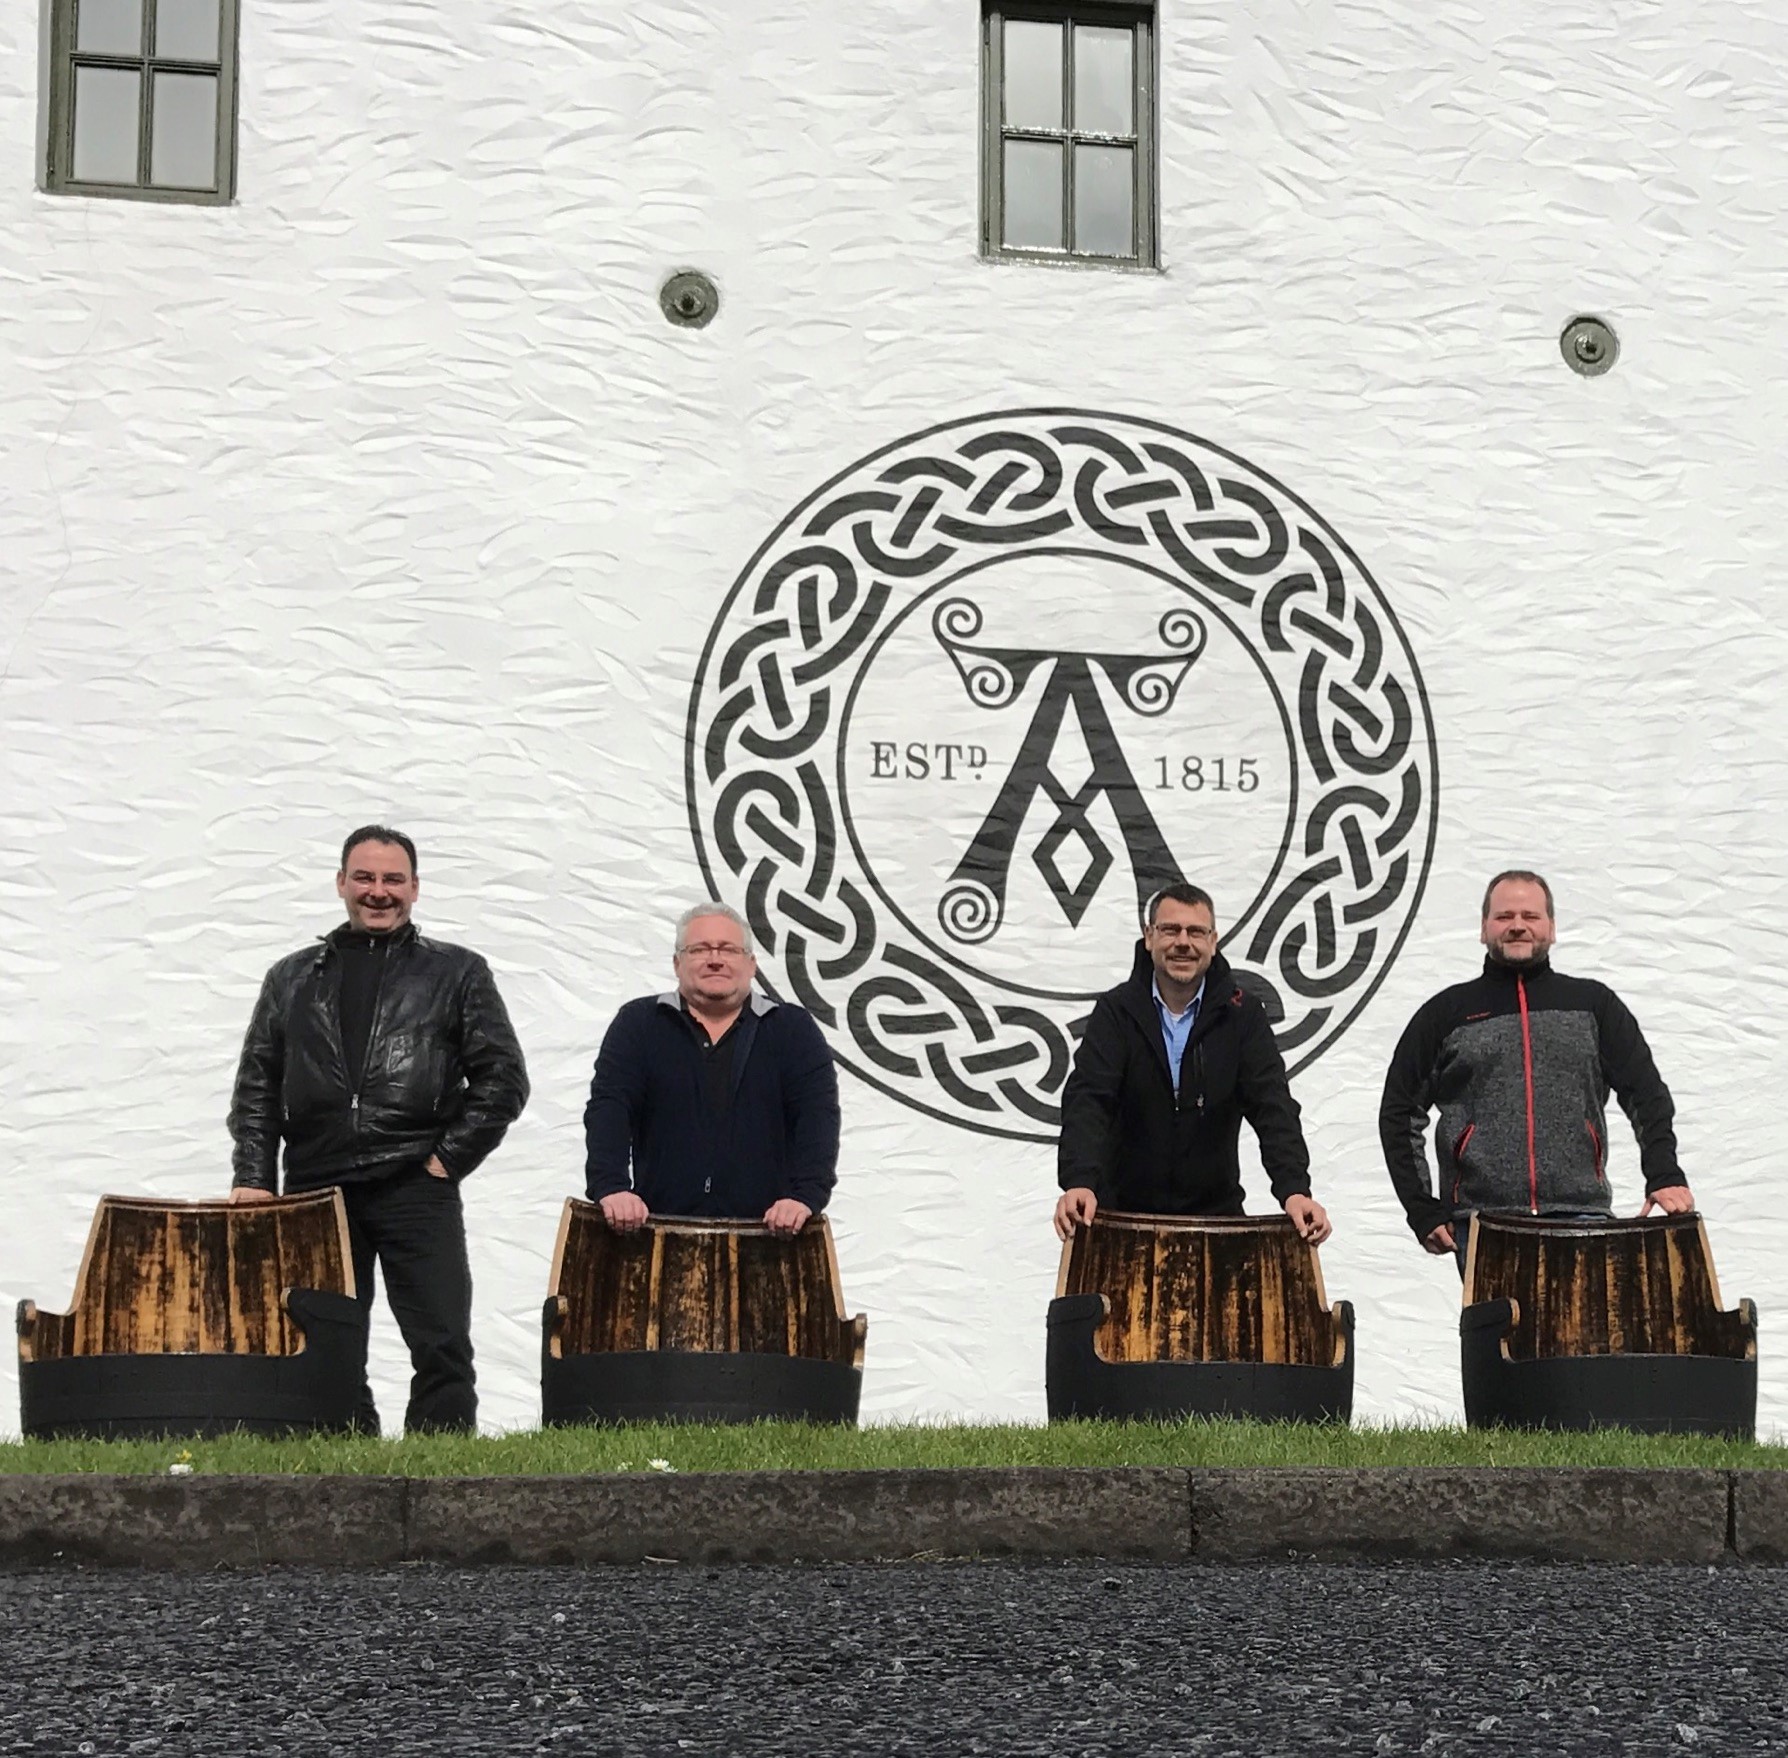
pixel 712 1100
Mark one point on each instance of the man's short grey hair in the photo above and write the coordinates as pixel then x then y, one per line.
pixel 713 907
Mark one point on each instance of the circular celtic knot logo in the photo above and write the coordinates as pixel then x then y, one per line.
pixel 984 693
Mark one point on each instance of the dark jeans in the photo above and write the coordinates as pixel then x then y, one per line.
pixel 414 1225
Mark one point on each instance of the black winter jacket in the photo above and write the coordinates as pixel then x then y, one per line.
pixel 443 1074
pixel 1520 1062
pixel 1137 1144
pixel 648 1126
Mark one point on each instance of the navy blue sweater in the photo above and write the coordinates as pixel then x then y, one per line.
pixel 778 1138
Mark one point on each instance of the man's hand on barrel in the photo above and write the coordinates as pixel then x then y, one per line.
pixel 624 1211
pixel 1673 1199
pixel 1309 1217
pixel 1076 1209
pixel 786 1218
pixel 1441 1240
pixel 252 1193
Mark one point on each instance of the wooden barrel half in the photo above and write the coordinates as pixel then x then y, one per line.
pixel 1634 1287
pixel 199 1278
pixel 1241 1288
pixel 699 1286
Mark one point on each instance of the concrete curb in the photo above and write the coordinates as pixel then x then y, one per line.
pixel 1602 1515
pixel 202 1522
pixel 1035 1513
pixel 802 1516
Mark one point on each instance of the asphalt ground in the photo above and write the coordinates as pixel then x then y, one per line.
pixel 935 1658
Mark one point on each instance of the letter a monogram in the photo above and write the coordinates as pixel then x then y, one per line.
pixel 974 901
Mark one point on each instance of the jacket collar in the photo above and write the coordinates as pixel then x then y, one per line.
pixel 1507 973
pixel 1138 993
pixel 1196 998
pixel 407 935
pixel 745 1026
pixel 755 1004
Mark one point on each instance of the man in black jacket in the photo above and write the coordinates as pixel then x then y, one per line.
pixel 712 1100
pixel 1520 1062
pixel 388 1064
pixel 1171 1063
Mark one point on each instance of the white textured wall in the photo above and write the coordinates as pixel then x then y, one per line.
pixel 388 492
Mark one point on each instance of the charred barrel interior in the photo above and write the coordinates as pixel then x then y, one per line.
pixel 697 1321
pixel 1617 1324
pixel 1167 1316
pixel 198 1318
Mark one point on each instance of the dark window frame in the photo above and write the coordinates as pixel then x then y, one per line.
pixel 1138 16
pixel 59 176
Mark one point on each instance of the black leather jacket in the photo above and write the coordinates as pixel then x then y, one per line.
pixel 443 1075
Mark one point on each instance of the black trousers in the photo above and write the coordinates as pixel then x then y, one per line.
pixel 415 1227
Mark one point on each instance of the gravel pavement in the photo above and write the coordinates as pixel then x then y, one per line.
pixel 933 1658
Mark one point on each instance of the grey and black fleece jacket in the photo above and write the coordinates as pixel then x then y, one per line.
pixel 1520 1062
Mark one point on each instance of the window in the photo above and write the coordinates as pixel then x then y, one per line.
pixel 1068 145
pixel 143 99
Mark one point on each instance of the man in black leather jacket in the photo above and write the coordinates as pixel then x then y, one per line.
pixel 387 1063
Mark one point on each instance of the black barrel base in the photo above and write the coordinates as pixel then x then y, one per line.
pixel 1079 1383
pixel 668 1385
pixel 136 1397
pixel 1653 1394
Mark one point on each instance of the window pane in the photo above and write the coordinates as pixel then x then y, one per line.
pixel 1033 194
pixel 109 27
pixel 186 30
pixel 105 125
pixel 183 131
pixel 1102 201
pixel 1104 80
pixel 1033 74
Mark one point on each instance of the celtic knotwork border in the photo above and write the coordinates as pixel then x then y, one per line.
pixel 768 698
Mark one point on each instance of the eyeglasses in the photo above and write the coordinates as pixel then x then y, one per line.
pixel 1181 931
pixel 723 948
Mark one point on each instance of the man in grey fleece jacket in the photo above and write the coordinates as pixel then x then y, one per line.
pixel 1520 1062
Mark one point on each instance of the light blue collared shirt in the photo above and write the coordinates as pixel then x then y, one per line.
pixel 1175 1032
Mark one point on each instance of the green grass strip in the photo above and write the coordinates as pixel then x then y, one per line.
pixel 786 1446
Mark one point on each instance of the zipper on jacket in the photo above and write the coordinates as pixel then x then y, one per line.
pixel 1533 1165
pixel 1595 1141
pixel 372 1033
pixel 1459 1157
pixel 1175 1088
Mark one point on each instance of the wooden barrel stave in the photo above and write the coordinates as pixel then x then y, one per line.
pixel 253 1316
pixel 44 1336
